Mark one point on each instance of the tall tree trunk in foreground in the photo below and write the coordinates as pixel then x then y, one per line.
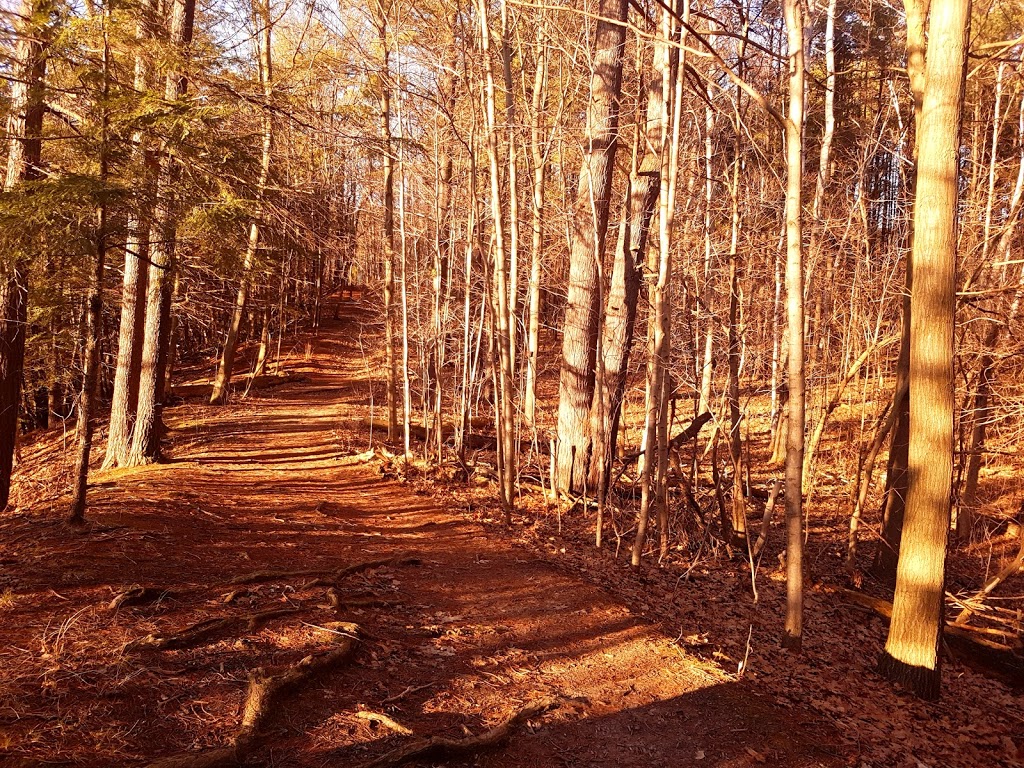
pixel 136 276
pixel 222 384
pixel 24 131
pixel 94 318
pixel 590 225
pixel 911 654
pixel 145 446
pixel 793 637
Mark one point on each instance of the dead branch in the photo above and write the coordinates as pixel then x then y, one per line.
pixel 766 521
pixel 439 747
pixel 406 692
pixel 1012 568
pixel 970 636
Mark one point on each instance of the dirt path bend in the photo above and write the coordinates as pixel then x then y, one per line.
pixel 454 640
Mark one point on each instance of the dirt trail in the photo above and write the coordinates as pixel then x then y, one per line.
pixel 458 640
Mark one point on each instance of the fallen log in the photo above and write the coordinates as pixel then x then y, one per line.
pixel 439 747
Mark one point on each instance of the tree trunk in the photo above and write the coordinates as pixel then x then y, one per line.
pixel 793 637
pixel 500 292
pixel 145 446
pixel 24 131
pixel 538 152
pixel 884 566
pixel 621 305
pixel 94 320
pixel 590 224
pixel 653 487
pixel 912 650
pixel 136 277
pixel 222 384
pixel 981 412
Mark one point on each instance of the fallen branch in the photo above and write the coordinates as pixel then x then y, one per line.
pixel 204 630
pixel 1006 656
pixel 1011 569
pixel 436 747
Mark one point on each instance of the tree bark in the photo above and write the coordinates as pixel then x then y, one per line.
pixel 911 654
pixel 94 319
pixel 538 153
pixel 884 566
pixel 619 324
pixel 590 225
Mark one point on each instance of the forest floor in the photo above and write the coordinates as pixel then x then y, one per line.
pixel 463 626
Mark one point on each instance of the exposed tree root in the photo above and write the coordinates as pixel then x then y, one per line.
pixel 202 631
pixel 324 578
pixel 338 602
pixel 259 577
pixel 387 722
pixel 261 697
pixel 436 747
pixel 137 596
pixel 218 757
pixel 264 689
pixel 406 558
